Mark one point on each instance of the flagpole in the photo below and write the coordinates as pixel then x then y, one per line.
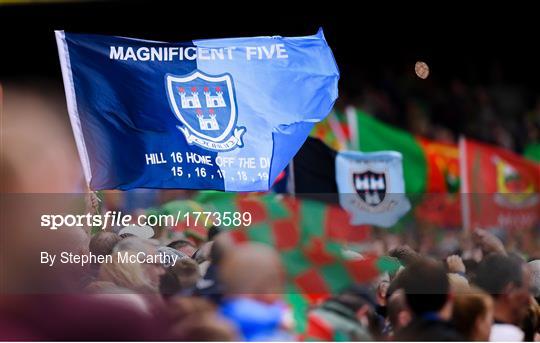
pixel 291 189
pixel 71 101
pixel 352 121
pixel 93 200
pixel 464 186
pixel 336 127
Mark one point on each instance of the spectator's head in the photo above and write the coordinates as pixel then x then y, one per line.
pixel 182 276
pixel 473 314
pixel 508 281
pixel 184 246
pixel 103 243
pixel 127 275
pixel 253 269
pixel 426 288
pixel 187 273
pixel 399 314
pixel 144 232
pixel 134 276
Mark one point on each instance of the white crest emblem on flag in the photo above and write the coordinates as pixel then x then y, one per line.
pixel 371 187
pixel 206 107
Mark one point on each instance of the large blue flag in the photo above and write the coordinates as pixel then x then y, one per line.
pixel 224 114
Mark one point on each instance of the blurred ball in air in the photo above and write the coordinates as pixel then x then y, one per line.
pixel 421 69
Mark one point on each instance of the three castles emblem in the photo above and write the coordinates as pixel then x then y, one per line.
pixel 206 107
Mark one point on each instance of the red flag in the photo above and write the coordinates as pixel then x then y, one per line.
pixel 443 166
pixel 500 188
pixel 441 203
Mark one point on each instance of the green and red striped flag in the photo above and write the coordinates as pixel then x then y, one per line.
pixel 310 237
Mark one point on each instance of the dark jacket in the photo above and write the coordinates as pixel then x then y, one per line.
pixel 428 329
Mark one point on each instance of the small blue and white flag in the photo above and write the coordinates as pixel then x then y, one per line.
pixel 371 187
pixel 222 114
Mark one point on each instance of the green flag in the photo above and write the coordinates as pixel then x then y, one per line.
pixel 373 135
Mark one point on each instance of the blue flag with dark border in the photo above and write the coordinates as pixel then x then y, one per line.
pixel 223 114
